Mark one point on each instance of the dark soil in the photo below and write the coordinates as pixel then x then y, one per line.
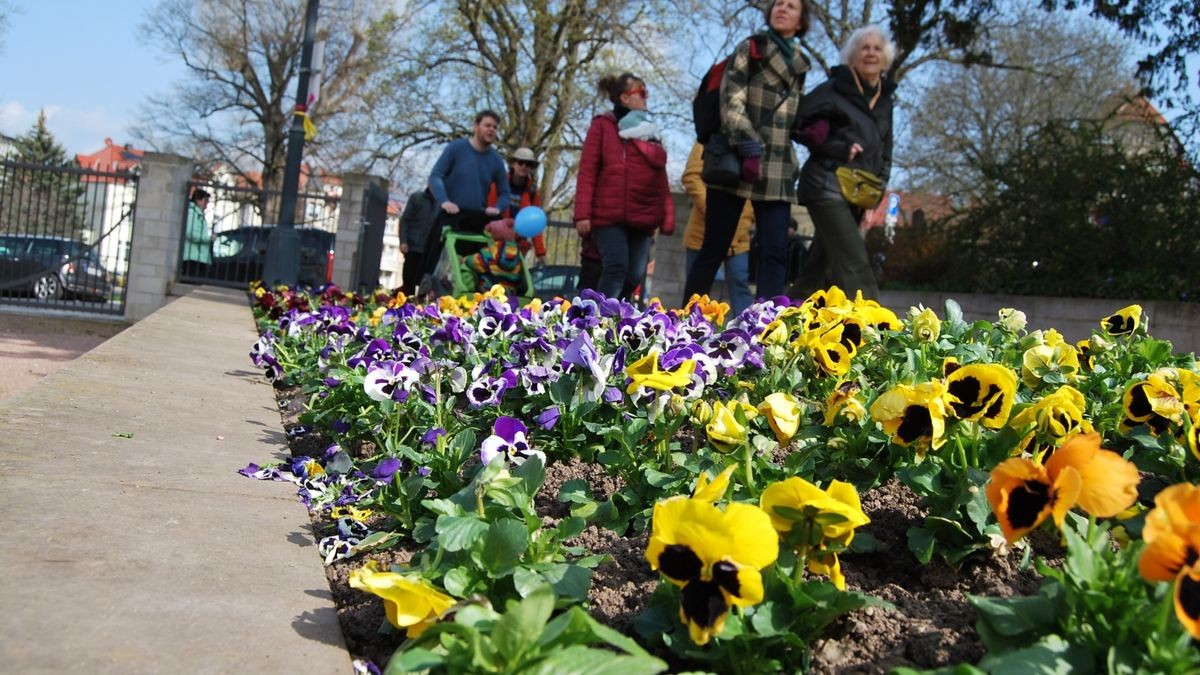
pixel 931 626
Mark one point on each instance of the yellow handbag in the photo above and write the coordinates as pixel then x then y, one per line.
pixel 861 188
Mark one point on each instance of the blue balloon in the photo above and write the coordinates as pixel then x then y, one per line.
pixel 530 221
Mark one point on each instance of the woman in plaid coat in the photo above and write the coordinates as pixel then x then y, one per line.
pixel 759 99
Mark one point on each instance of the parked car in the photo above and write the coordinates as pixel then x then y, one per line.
pixel 239 254
pixel 51 267
pixel 552 281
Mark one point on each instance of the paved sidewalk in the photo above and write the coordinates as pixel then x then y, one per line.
pixel 150 553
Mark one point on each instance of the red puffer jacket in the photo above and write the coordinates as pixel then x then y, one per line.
pixel 623 181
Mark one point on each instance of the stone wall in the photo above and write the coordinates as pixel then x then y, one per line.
pixel 1075 318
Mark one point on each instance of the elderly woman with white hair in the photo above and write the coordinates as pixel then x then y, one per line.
pixel 846 121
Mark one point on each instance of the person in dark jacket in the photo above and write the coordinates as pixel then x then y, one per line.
pixel 846 121
pixel 758 109
pixel 621 193
pixel 419 215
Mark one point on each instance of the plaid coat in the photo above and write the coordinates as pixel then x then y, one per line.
pixel 747 104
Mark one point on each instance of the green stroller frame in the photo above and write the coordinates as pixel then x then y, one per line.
pixel 452 274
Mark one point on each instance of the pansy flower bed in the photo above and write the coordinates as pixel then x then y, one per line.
pixel 821 485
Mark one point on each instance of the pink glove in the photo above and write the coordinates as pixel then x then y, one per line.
pixel 750 167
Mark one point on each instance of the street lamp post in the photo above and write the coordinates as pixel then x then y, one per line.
pixel 283 246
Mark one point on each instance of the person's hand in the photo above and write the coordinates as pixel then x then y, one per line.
pixel 541 261
pixel 450 207
pixel 855 151
pixel 492 211
pixel 667 229
pixel 403 248
pixel 583 227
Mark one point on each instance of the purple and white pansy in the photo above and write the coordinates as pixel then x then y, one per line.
pixel 390 380
pixel 508 441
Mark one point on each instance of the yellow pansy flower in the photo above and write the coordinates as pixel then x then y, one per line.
pixel 714 556
pixel 409 602
pixel 645 373
pixel 783 414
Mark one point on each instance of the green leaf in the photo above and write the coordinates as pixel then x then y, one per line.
pixel 425 530
pixel 570 527
pixel 1012 617
pixel 414 660
pixel 463 443
pixel 1051 655
pixel 954 315
pixel 532 472
pixel 570 581
pixel 522 623
pixel 377 541
pixel 924 478
pixel 656 478
pixel 865 542
pixel 457 581
pixel 979 510
pixel 920 542
pixel 526 581
pixel 771 618
pixel 581 660
pixel 575 491
pixel 459 533
pixel 502 546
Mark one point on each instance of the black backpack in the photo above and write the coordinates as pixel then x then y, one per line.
pixel 706 104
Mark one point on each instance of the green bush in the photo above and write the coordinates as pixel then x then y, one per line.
pixel 1085 209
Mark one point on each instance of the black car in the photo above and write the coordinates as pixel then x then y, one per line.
pixel 552 281
pixel 238 255
pixel 51 267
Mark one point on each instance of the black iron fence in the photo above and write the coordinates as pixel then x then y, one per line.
pixel 65 236
pixel 225 243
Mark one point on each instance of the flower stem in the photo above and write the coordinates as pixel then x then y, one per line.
pixel 748 455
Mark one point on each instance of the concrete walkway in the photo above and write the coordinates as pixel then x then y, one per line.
pixel 150 553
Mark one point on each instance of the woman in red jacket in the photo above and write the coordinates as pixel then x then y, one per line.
pixel 621 193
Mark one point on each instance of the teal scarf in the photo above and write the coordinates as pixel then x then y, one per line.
pixel 786 45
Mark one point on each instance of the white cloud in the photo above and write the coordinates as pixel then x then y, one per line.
pixel 76 129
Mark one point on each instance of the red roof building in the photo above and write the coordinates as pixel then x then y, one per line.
pixel 113 158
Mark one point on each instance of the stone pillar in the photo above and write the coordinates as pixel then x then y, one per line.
pixel 351 217
pixel 669 274
pixel 157 231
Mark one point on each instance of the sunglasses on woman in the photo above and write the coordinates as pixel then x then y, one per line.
pixel 639 90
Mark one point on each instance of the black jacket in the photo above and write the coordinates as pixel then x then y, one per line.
pixel 419 215
pixel 851 120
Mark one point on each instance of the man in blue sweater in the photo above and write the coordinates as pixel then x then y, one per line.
pixel 460 182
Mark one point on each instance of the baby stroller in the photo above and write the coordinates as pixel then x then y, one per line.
pixel 457 265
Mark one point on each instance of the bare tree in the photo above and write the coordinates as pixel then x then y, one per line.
pixel 1060 67
pixel 6 11
pixel 235 105
pixel 534 62
pixel 1170 30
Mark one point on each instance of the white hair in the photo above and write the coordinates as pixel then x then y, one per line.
pixel 855 41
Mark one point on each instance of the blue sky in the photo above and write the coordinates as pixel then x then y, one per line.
pixel 82 61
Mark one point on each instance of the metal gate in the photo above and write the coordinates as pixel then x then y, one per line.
pixel 65 236
pixel 225 243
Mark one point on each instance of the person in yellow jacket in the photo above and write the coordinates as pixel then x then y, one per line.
pixel 737 261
